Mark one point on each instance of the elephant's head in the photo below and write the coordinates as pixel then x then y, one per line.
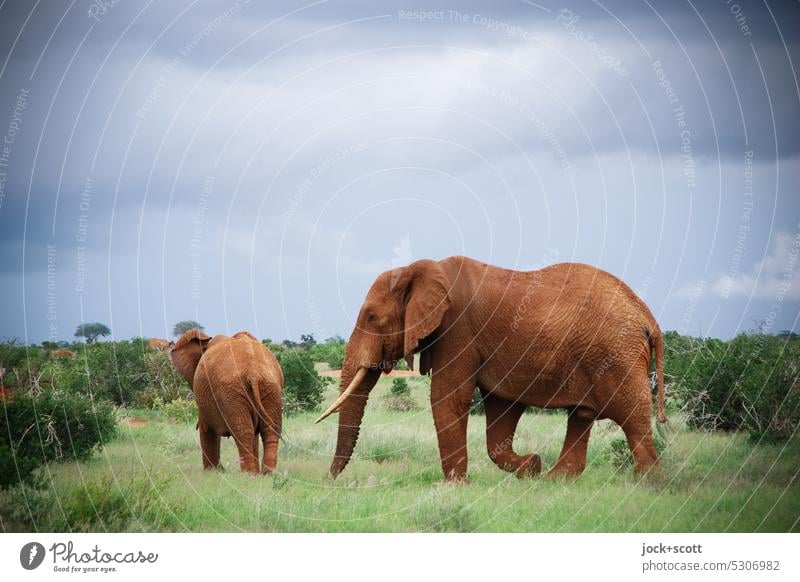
pixel 187 351
pixel 402 308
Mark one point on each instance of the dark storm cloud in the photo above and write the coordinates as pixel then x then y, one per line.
pixel 145 101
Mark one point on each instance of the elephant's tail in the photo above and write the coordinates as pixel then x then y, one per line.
pixel 256 380
pixel 657 345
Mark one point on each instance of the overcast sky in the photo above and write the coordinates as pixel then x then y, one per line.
pixel 255 168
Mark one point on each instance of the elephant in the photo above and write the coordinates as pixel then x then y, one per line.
pixel 159 345
pixel 567 336
pixel 238 385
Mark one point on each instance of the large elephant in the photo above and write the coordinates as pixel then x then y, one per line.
pixel 237 384
pixel 567 336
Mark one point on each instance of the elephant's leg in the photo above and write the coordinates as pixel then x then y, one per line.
pixel 270 428
pixel 639 432
pixel 572 460
pixel 502 417
pixel 209 445
pixel 270 439
pixel 243 433
pixel 451 394
pixel 634 414
pixel 256 439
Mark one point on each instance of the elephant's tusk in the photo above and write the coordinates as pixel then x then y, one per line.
pixel 343 396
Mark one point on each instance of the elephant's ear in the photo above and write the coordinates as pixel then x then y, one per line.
pixel 186 352
pixel 426 303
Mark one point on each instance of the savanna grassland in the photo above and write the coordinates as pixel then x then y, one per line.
pixel 150 478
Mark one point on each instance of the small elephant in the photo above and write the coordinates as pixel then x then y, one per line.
pixel 159 345
pixel 237 384
pixel 567 336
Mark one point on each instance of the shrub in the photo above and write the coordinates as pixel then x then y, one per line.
pixel 331 352
pixel 20 365
pixel 769 391
pixel 303 387
pixel 705 378
pixel 476 406
pixel 165 385
pixel 400 387
pixel 618 453
pixel 50 427
pixel 125 372
pixel 180 410
pixel 401 364
pixel 749 383
pixel 116 371
pixel 399 397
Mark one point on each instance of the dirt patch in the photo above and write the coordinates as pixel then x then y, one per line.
pixel 136 422
pixel 392 374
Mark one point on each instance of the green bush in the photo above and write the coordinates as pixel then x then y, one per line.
pixel 399 397
pixel 21 365
pixel 50 427
pixel 476 406
pixel 124 372
pixel 618 453
pixel 180 410
pixel 401 364
pixel 769 391
pixel 749 383
pixel 165 385
pixel 115 371
pixel 705 376
pixel 331 352
pixel 400 387
pixel 303 387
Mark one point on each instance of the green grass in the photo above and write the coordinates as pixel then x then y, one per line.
pixel 151 479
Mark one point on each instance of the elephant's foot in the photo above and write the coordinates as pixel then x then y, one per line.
pixel 645 468
pixel 530 466
pixel 566 470
pixel 455 477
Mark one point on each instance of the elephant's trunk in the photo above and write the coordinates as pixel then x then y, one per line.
pixel 350 414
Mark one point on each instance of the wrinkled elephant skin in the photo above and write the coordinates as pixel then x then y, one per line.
pixel 566 336
pixel 237 384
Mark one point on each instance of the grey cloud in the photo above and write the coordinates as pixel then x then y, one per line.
pixel 502 136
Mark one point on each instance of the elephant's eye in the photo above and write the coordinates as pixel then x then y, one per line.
pixel 371 318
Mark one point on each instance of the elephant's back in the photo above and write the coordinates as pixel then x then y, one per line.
pixel 593 313
pixel 598 289
pixel 238 359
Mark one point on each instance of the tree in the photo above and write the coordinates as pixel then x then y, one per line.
pixel 183 326
pixel 91 331
pixel 307 339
